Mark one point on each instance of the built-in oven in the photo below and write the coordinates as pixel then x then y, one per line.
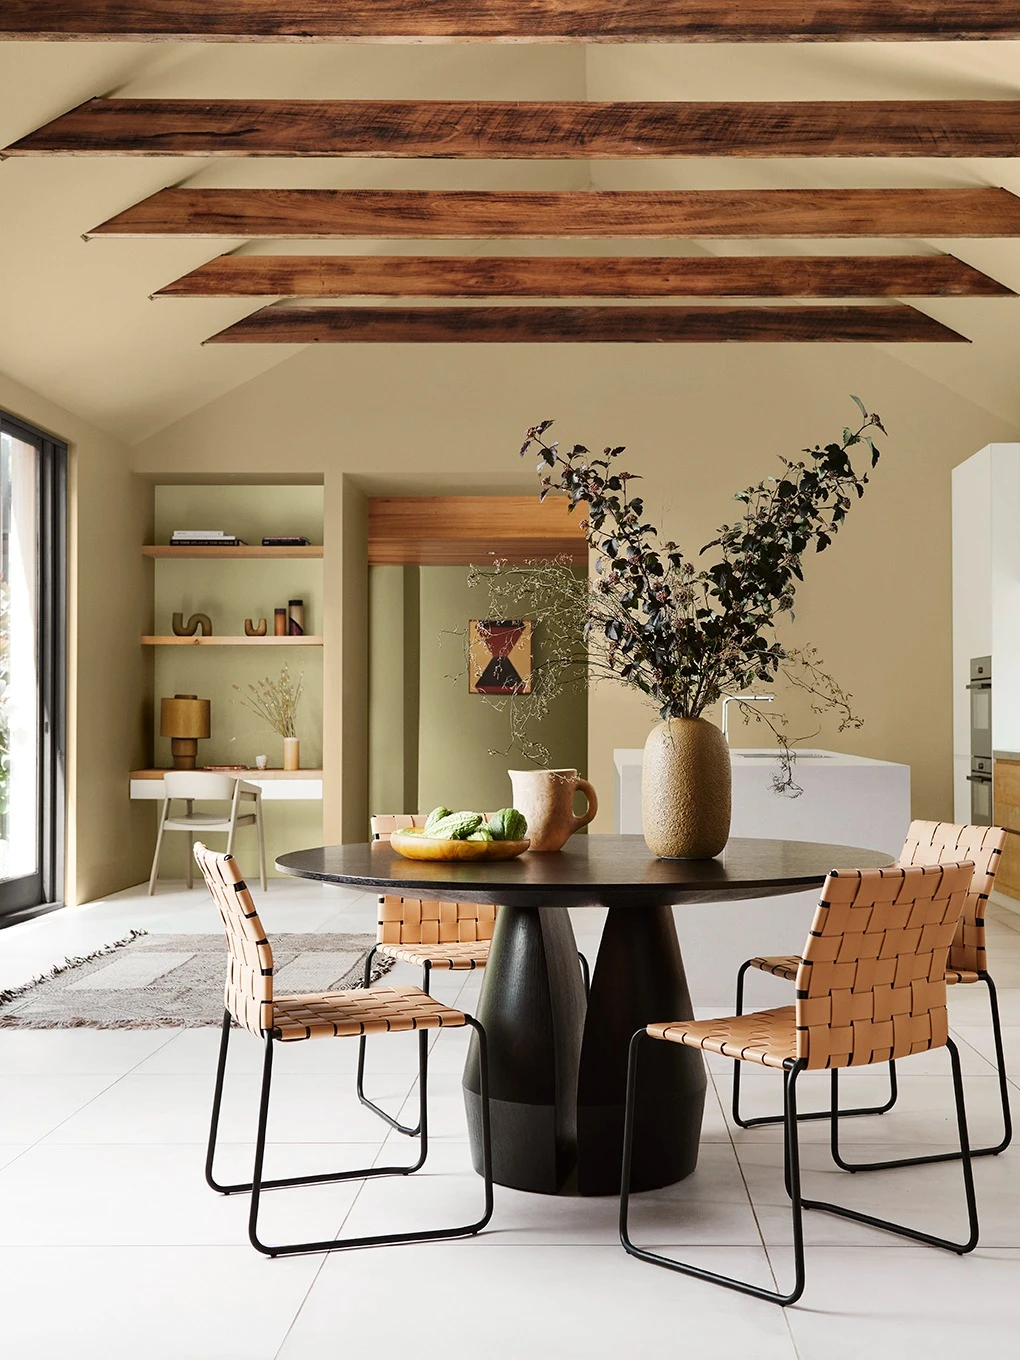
pixel 980 780
pixel 980 777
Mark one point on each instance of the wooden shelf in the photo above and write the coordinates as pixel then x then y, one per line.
pixel 197 641
pixel 253 550
pixel 250 772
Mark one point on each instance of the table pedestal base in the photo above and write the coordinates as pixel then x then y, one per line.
pixel 557 1072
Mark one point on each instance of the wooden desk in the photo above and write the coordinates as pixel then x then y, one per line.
pixel 291 785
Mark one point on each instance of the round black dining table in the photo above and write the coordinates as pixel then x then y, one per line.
pixel 558 1060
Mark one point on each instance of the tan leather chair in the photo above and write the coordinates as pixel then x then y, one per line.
pixel 253 1004
pixel 927 843
pixel 871 987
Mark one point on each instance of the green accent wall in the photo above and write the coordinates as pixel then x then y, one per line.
pixel 431 741
pixel 230 591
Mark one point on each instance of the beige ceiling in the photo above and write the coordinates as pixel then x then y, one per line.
pixel 76 321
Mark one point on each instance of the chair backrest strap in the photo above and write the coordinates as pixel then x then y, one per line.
pixel 872 980
pixel 248 995
pixel 944 842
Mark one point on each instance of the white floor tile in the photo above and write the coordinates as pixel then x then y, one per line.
pixel 710 1207
pixel 163 1303
pixel 156 1195
pixel 919 1302
pixel 930 1198
pixel 544 1302
pixel 176 1108
pixel 924 1112
pixel 80 1051
pixel 31 1106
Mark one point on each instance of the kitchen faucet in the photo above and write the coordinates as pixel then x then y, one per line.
pixel 744 699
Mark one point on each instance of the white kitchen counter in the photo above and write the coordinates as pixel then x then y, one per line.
pixel 847 800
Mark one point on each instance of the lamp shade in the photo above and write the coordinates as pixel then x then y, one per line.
pixel 185 715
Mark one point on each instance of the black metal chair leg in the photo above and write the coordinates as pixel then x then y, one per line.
pixel 243 1187
pixel 792 1163
pixel 964 1156
pixel 1007 1121
pixel 214 1123
pixel 760 1120
pixel 585 975
pixel 362 1046
pixel 383 1239
pixel 1000 1062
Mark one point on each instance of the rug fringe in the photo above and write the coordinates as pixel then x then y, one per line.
pixel 9 994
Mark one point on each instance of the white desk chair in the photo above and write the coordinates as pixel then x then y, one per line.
pixel 187 785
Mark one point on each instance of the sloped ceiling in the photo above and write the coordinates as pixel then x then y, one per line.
pixel 76 320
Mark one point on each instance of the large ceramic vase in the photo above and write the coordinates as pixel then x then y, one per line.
pixel 685 789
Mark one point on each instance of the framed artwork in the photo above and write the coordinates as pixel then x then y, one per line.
pixel 499 656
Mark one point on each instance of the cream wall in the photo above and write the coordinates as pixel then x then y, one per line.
pixel 109 677
pixel 700 422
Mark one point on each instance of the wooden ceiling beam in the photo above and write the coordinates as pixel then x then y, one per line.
pixel 735 214
pixel 510 20
pixel 445 276
pixel 520 131
pixel 598 325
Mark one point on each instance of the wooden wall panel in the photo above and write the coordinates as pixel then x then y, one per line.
pixel 596 325
pixel 461 530
pixel 734 214
pixel 828 276
pixel 1006 812
pixel 512 20
pixel 551 130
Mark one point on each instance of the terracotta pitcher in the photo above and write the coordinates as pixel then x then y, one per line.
pixel 546 797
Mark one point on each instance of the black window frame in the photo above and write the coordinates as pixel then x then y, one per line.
pixel 44 890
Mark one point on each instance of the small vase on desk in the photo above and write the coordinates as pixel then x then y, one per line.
pixel 291 753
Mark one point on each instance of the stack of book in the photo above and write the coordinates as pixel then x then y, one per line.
pixel 285 541
pixel 204 538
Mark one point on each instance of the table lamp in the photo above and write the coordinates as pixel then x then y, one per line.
pixel 184 719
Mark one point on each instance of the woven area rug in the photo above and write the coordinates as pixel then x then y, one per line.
pixel 155 981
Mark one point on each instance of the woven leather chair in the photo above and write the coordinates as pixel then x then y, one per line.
pixel 252 1004
pixel 927 843
pixel 871 986
pixel 441 935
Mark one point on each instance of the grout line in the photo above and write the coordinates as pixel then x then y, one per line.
pixel 109 1087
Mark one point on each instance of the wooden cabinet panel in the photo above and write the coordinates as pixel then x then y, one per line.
pixel 1006 812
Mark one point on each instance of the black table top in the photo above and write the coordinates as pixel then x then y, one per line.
pixel 606 871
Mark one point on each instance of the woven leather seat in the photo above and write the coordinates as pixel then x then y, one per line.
pixel 456 957
pixel 871 986
pixel 766 1037
pixel 252 1003
pixel 927 843
pixel 386 1010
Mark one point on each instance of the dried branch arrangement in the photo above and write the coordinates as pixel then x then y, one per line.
pixel 685 636
pixel 275 701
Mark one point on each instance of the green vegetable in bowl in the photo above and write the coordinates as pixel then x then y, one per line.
pixel 436 815
pixel 455 826
pixel 508 825
pixel 482 834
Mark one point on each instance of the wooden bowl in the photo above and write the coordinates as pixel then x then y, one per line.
pixel 413 845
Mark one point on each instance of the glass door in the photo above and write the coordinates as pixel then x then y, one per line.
pixel 32 687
